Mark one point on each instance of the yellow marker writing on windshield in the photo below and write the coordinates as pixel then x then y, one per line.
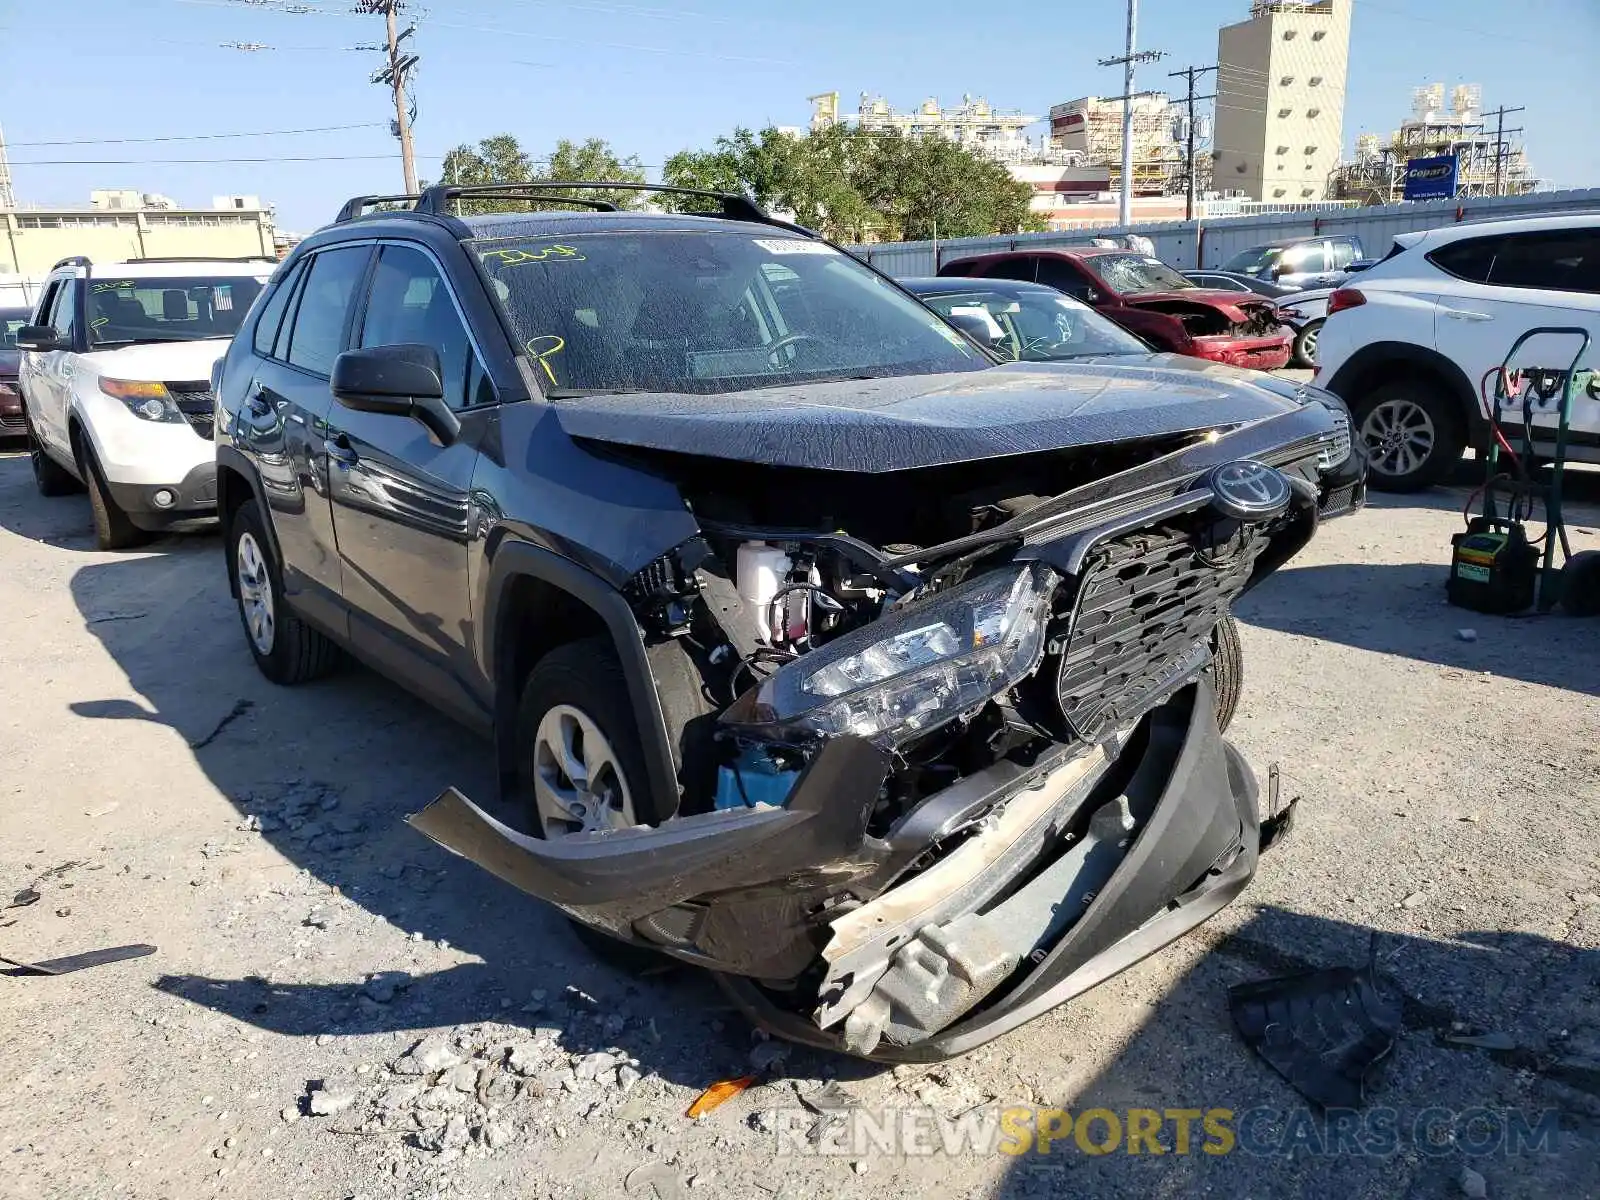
pixel 516 258
pixel 544 347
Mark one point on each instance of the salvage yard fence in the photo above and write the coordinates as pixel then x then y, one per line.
pixel 1188 245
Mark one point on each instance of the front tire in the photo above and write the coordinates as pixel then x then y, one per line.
pixel 1305 344
pixel 286 649
pixel 112 528
pixel 1412 434
pixel 580 764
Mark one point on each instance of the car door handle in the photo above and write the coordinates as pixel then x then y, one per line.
pixel 340 451
pixel 1465 314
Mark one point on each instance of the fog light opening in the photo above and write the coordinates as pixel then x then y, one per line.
pixel 165 498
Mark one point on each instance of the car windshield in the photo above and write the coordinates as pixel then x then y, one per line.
pixel 709 311
pixel 11 320
pixel 1131 274
pixel 1254 260
pixel 171 309
pixel 1037 325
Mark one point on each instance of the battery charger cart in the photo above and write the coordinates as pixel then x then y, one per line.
pixel 1495 567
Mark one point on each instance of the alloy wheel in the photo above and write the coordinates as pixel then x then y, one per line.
pixel 1399 436
pixel 578 782
pixel 255 593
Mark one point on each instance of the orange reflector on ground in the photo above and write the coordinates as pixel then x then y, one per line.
pixel 719 1094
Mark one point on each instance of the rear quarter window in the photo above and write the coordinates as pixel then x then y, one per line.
pixel 1469 259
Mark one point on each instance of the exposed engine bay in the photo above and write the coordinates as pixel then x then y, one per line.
pixel 1212 320
pixel 946 739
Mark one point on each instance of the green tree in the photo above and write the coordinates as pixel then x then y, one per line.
pixel 593 160
pixel 855 186
pixel 501 159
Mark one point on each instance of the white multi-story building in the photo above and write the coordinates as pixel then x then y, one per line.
pixel 1280 99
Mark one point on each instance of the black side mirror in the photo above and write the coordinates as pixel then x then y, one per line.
pixel 975 327
pixel 40 337
pixel 400 381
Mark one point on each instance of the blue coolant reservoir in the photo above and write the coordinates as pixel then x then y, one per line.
pixel 754 779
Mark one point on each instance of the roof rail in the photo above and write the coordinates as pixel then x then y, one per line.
pixel 436 200
pixel 183 258
pixel 577 201
pixel 356 206
pixel 77 260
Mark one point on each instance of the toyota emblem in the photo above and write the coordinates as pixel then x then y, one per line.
pixel 1249 491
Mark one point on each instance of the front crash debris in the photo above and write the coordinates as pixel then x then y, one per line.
pixel 949 785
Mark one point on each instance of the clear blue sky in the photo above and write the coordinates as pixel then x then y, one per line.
pixel 653 78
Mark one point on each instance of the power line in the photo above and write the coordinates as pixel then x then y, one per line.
pixel 201 137
pixel 1189 74
pixel 149 162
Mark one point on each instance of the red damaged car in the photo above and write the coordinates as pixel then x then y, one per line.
pixel 1149 298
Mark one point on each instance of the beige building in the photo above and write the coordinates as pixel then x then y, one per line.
pixel 122 225
pixel 1280 99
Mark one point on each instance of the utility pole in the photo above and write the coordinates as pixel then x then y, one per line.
pixel 1189 73
pixel 1129 58
pixel 1500 132
pixel 395 76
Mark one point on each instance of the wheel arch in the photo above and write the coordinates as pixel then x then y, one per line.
pixel 535 601
pixel 1382 362
pixel 237 482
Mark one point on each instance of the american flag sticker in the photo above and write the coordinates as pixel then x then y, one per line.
pixel 223 298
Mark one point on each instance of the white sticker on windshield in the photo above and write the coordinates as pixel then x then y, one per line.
pixel 1155 262
pixel 794 246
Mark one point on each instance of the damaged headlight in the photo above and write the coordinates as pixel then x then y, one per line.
pixel 920 667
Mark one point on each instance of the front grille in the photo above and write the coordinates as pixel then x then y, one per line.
pixel 198 403
pixel 1337 446
pixel 13 424
pixel 1142 621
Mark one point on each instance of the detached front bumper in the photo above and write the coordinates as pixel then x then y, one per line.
pixel 1048 880
pixel 1257 353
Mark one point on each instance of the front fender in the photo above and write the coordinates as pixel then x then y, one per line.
pixel 513 560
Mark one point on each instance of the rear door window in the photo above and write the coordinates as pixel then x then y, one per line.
pixel 319 323
pixel 1343 255
pixel 1564 260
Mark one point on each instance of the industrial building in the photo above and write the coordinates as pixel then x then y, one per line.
pixel 1280 99
pixel 1488 161
pixel 973 124
pixel 1091 128
pixel 118 225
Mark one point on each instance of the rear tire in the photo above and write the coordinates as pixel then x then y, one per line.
pixel 112 528
pixel 1580 584
pixel 286 649
pixel 1227 670
pixel 1305 344
pixel 1412 434
pixel 49 476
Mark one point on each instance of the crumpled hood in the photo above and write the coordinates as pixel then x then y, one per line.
pixel 879 425
pixel 1236 306
pixel 169 362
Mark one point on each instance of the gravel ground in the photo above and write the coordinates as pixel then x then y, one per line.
pixel 337 1009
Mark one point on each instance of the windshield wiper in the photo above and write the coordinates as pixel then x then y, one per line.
pixel 157 341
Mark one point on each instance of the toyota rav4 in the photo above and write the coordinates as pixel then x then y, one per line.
pixel 818 646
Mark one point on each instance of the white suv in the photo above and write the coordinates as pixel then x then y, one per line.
pixel 116 386
pixel 1411 345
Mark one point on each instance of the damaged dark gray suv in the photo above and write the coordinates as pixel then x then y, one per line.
pixel 820 647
